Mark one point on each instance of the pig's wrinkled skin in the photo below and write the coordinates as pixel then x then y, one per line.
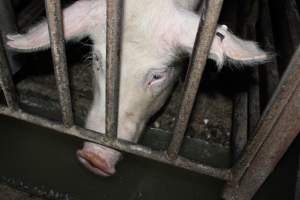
pixel 152 32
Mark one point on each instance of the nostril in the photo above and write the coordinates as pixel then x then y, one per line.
pixel 95 163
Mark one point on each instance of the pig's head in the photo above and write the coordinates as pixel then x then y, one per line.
pixel 149 42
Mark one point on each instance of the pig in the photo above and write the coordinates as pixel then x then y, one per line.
pixel 152 33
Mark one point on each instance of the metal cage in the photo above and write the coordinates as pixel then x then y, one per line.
pixel 274 132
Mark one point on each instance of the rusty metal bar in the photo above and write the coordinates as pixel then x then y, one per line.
pixel 8 25
pixel 54 16
pixel 6 81
pixel 204 38
pixel 275 132
pixel 121 145
pixel 113 56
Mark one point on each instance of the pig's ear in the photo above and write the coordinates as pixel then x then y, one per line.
pixel 75 23
pixel 225 48
pixel 228 48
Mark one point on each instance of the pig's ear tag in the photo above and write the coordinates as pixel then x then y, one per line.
pixel 221 36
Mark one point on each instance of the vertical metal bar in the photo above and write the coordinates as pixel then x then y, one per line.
pixel 113 56
pixel 8 25
pixel 54 16
pixel 250 10
pixel 6 81
pixel 204 38
pixel 276 130
pixel 253 103
pixel 270 70
pixel 240 124
pixel 239 133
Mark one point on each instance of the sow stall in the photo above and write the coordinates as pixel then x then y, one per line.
pixel 265 111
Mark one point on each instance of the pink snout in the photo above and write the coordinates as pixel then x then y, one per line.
pixel 98 159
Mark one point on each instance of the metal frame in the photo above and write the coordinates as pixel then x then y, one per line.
pixel 256 162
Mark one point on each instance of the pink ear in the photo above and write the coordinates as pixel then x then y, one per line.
pixel 229 48
pixel 77 20
pixel 226 47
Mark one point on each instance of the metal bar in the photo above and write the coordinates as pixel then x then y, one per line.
pixel 113 56
pixel 239 133
pixel 276 130
pixel 54 16
pixel 250 10
pixel 240 124
pixel 8 25
pixel 270 69
pixel 6 81
pixel 121 145
pixel 204 38
pixel 253 103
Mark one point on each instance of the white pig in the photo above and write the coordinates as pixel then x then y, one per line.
pixel 153 30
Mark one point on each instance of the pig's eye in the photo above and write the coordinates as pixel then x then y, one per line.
pixel 156 77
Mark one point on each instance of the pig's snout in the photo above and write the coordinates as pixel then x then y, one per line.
pixel 98 159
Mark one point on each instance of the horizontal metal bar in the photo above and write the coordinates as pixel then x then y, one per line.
pixel 113 56
pixel 117 144
pixel 6 80
pixel 283 95
pixel 206 32
pixel 54 16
